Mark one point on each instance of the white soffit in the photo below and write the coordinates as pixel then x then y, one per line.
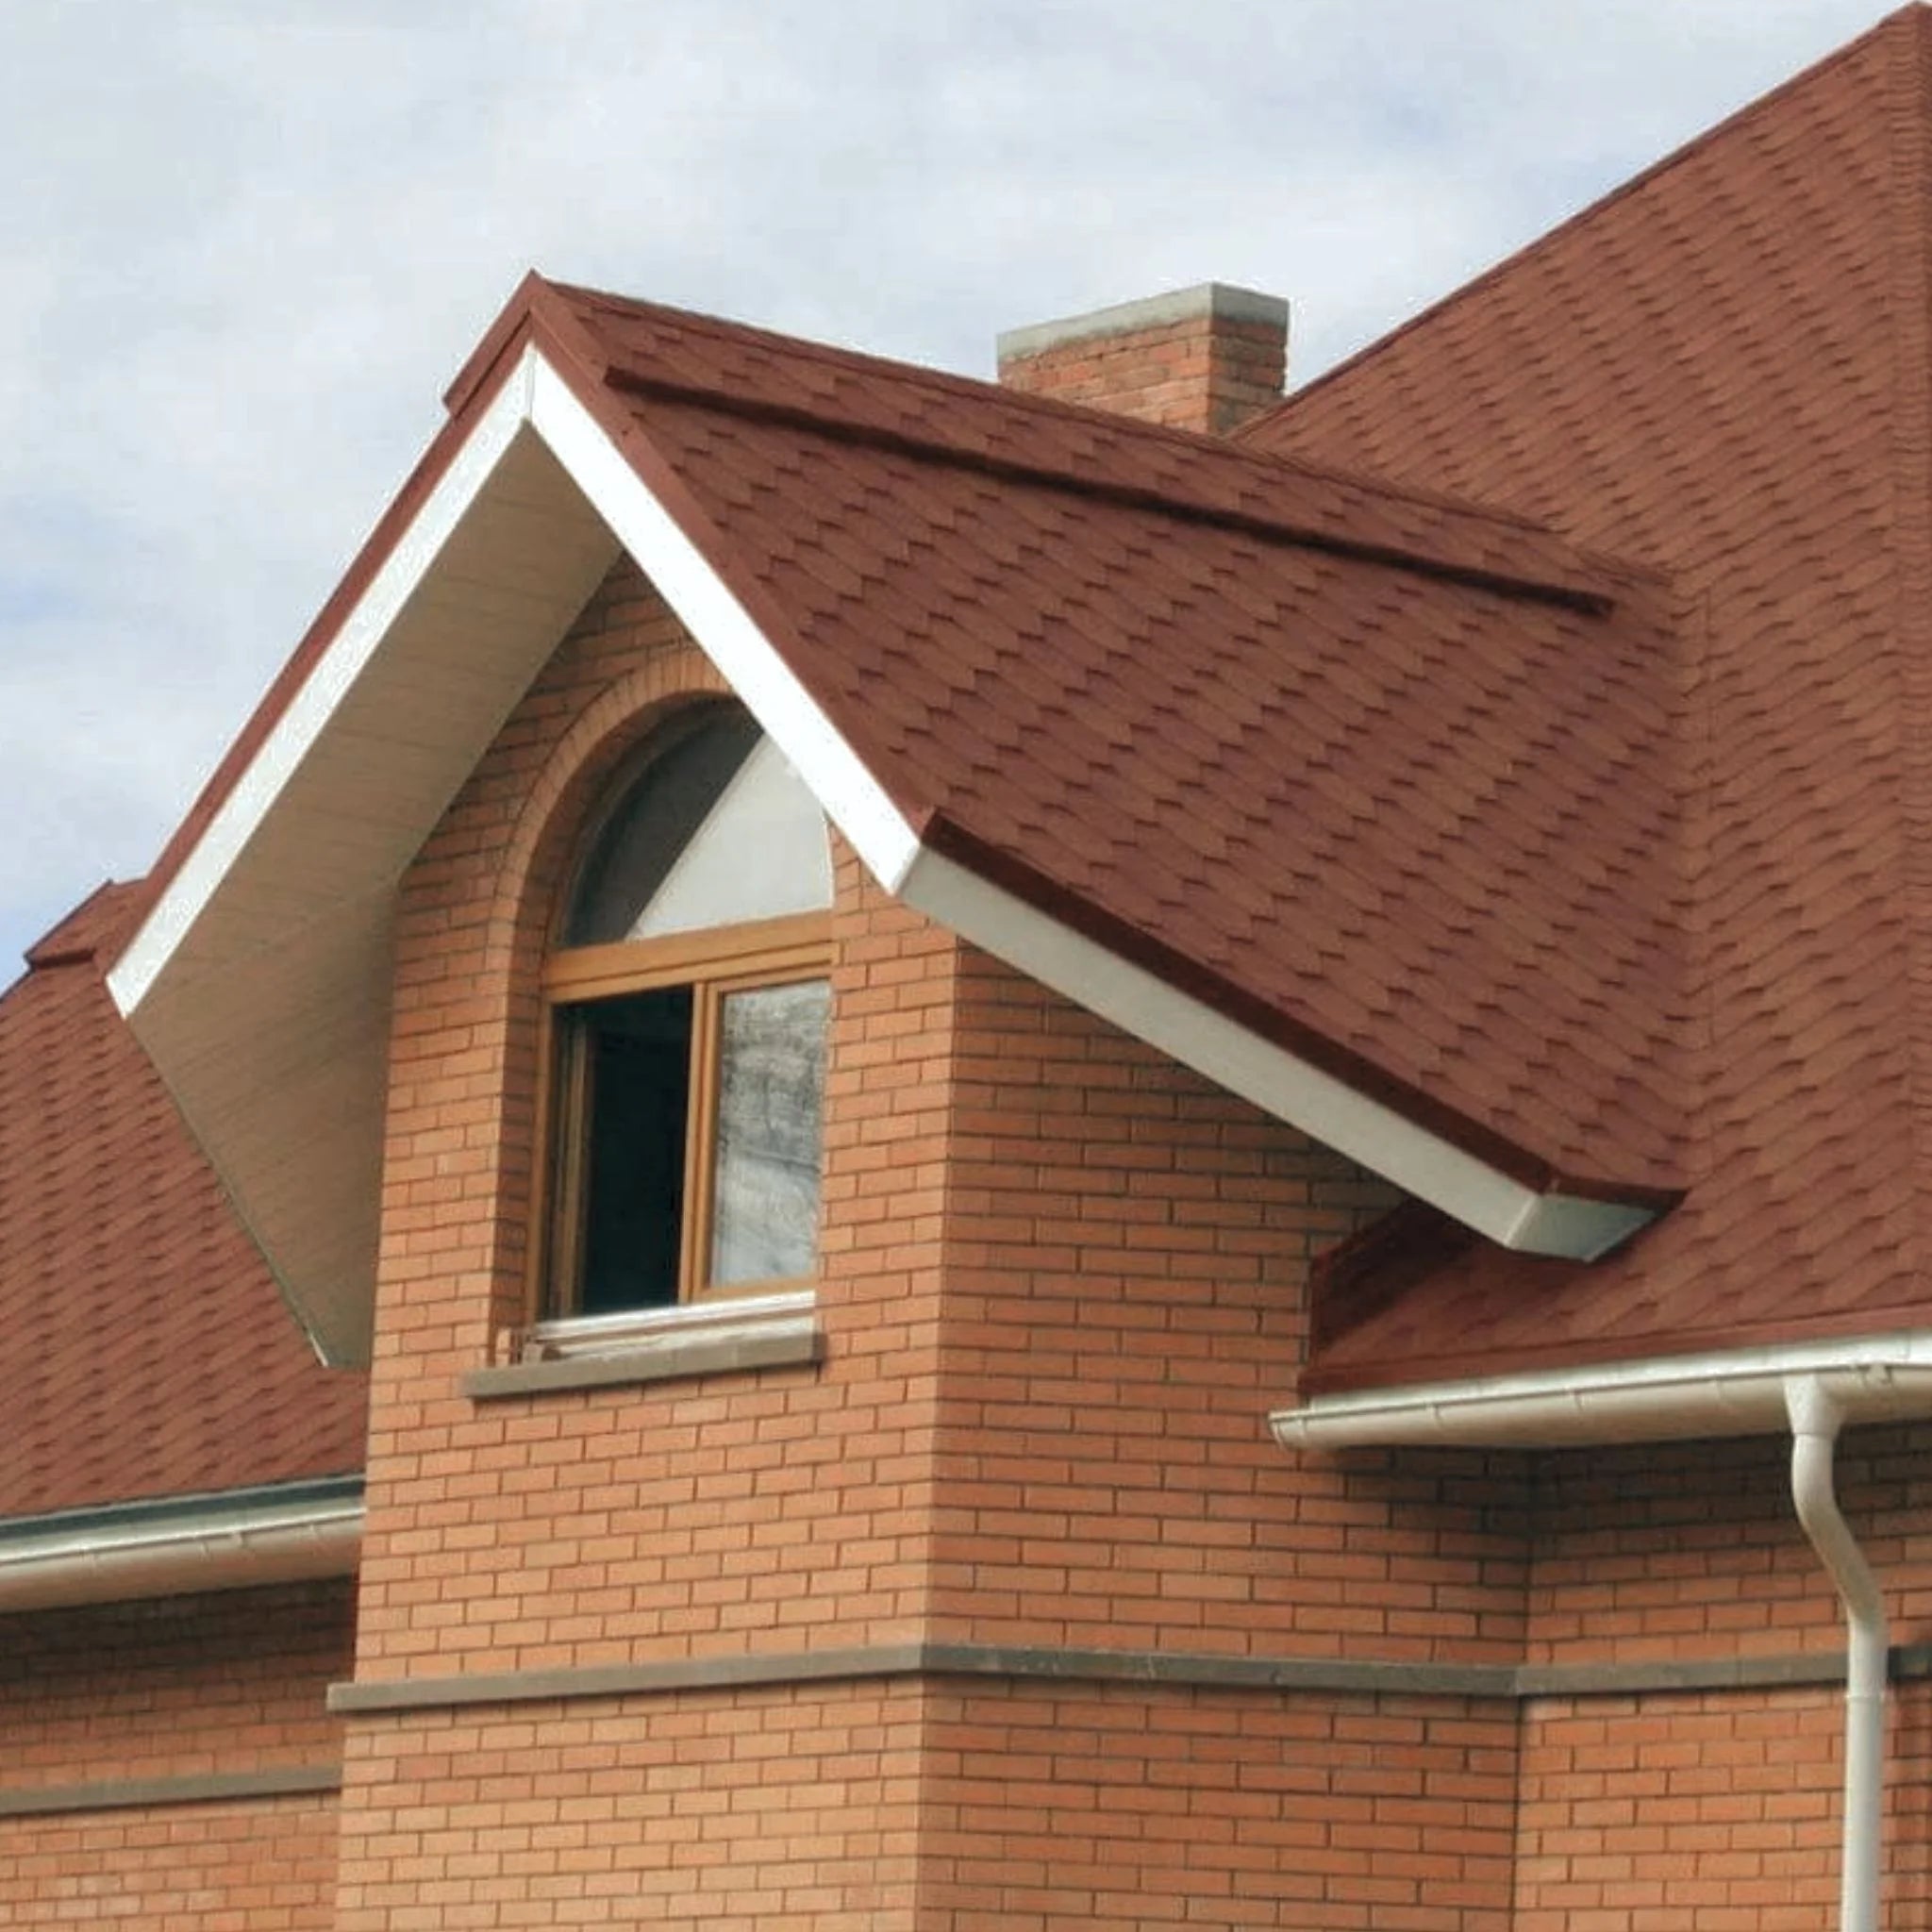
pixel 1734 1393
pixel 260 982
pixel 270 1035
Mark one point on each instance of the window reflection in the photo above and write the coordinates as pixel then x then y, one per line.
pixel 771 1101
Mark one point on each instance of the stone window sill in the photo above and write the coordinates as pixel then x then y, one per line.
pixel 669 1345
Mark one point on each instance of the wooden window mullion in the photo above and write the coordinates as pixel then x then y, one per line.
pixel 699 1156
pixel 572 1116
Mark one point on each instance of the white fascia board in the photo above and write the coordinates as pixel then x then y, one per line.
pixel 295 732
pixel 216 1548
pixel 1574 1226
pixel 724 629
pixel 1279 1082
pixel 1731 1392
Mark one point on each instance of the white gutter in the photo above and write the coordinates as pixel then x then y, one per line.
pixel 170 1549
pixel 1737 1392
pixel 1815 1421
pixel 1814 1389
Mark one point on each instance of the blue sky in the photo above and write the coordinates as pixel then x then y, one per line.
pixel 245 246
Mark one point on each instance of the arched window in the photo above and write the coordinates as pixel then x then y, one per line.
pixel 689 1005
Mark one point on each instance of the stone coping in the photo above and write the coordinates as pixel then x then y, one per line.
pixel 1011 1662
pixel 210 1788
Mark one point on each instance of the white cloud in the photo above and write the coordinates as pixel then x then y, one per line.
pixel 245 246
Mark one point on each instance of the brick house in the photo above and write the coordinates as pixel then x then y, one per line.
pixel 1097 1151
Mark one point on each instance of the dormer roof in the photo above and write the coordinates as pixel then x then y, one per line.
pixel 1363 800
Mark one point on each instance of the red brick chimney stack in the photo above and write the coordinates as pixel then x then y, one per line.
pixel 1204 359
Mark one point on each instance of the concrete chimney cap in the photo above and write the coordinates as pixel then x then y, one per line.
pixel 1205 301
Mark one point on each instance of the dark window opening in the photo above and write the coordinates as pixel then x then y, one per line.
pixel 637 1055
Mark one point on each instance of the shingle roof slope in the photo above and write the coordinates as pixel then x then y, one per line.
pixel 1723 369
pixel 1386 777
pixel 149 1351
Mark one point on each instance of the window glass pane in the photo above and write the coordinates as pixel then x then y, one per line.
pixel 655 823
pixel 771 1095
pixel 718 830
pixel 640 1071
pixel 761 853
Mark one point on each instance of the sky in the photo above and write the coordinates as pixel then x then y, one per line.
pixel 246 243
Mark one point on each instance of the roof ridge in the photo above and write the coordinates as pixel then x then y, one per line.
pixel 1282 527
pixel 1897 20
pixel 979 389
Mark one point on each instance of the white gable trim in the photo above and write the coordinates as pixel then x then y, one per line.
pixel 725 630
pixel 295 731
pixel 1280 1083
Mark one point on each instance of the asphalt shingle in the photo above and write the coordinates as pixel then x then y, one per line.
pixel 149 1351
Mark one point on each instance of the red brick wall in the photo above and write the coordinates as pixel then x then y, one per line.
pixel 1695 1550
pixel 176 1687
pixel 173 1687
pixel 235 1867
pixel 789 1808
pixel 1720 1810
pixel 1124 1302
pixel 1062 1283
pixel 1715 1813
pixel 1049 1810
pixel 686 1517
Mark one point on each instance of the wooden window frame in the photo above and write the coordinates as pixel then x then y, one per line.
pixel 713 963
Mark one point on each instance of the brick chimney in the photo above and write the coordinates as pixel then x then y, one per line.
pixel 1202 358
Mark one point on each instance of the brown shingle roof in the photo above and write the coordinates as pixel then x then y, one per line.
pixel 148 1352
pixel 1380 775
pixel 1615 884
pixel 1726 370
pixel 1377 772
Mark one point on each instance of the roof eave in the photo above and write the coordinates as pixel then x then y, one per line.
pixel 1511 1211
pixel 1654 1399
pixel 299 1532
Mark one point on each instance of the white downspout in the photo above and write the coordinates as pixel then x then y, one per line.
pixel 1815 1419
